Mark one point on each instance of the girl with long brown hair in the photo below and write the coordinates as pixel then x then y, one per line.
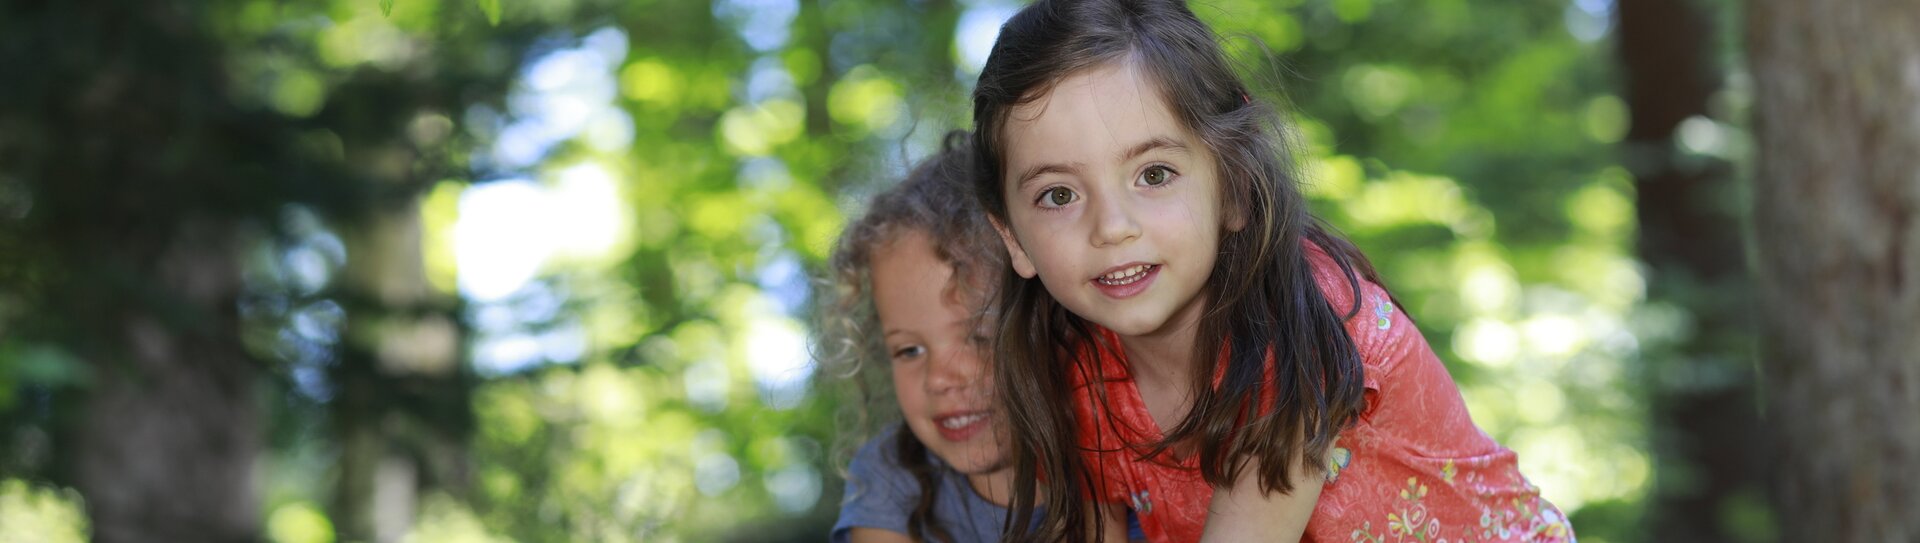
pixel 1179 337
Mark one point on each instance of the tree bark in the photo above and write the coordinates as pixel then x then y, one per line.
pixel 169 436
pixel 1837 191
pixel 1705 426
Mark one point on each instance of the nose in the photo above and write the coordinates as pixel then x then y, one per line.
pixel 1113 221
pixel 960 367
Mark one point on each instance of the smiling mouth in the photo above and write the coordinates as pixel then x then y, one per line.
pixel 957 428
pixel 956 423
pixel 1126 276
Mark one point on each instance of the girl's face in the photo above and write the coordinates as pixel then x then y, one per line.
pixel 938 374
pixel 1112 202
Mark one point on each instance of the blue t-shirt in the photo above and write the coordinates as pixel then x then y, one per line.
pixel 880 494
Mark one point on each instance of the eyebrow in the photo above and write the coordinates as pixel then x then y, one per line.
pixel 1043 169
pixel 1156 142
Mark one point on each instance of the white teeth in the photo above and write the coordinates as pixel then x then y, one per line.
pixel 957 423
pixel 1125 276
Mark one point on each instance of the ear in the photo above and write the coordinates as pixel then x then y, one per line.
pixel 1236 215
pixel 1015 254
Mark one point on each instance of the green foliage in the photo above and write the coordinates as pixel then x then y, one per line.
pixel 30 514
pixel 27 365
pixel 491 8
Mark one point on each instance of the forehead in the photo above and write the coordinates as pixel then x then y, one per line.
pixel 1089 115
pixel 907 257
pixel 908 277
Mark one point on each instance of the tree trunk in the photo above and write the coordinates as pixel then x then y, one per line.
pixel 1837 194
pixel 402 409
pixel 1705 423
pixel 169 434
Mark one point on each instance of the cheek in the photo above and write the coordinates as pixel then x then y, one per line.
pixel 1051 277
pixel 1176 222
pixel 906 387
pixel 1048 244
pixel 1200 211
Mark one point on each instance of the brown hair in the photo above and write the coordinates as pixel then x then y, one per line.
pixel 935 199
pixel 1263 297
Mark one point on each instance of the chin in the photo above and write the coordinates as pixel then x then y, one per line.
pixel 971 460
pixel 1134 327
pixel 979 468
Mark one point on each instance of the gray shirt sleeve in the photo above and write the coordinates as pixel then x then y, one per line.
pixel 878 492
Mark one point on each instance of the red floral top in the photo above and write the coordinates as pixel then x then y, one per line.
pixel 1412 468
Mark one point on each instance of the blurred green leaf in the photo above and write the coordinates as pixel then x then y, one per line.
pixel 40 364
pixel 492 9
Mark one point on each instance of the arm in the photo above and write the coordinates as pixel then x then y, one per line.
pixel 1121 526
pixel 1243 513
pixel 862 534
pixel 1113 522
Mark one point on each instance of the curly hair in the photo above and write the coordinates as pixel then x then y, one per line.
pixel 936 199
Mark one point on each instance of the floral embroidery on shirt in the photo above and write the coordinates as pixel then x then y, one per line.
pixel 1523 520
pixel 1409 521
pixel 1383 314
pixel 1337 459
pixel 1142 502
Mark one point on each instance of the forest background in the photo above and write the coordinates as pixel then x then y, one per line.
pixel 510 270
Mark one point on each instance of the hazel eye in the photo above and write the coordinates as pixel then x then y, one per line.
pixel 1056 197
pixel 1156 176
pixel 910 351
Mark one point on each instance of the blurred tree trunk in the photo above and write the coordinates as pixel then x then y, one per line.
pixel 1705 422
pixel 401 414
pixel 138 156
pixel 1837 216
pixel 813 33
pixel 169 435
pixel 139 183
pixel 929 52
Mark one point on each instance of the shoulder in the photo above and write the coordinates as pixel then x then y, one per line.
pixel 878 459
pixel 876 476
pixel 1338 284
pixel 1380 329
pixel 877 490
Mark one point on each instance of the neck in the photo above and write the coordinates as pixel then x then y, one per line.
pixel 995 486
pixel 1165 356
